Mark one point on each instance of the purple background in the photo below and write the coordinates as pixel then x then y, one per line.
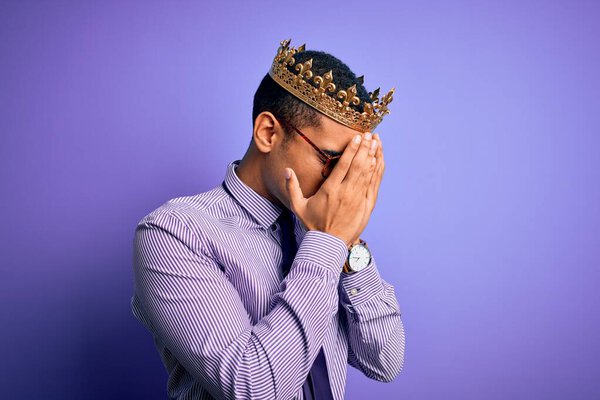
pixel 488 217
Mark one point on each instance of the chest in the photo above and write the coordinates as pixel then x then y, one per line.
pixel 251 260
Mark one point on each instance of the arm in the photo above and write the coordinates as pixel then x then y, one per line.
pixel 200 317
pixel 373 324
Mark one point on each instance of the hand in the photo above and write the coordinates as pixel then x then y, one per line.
pixel 373 189
pixel 344 202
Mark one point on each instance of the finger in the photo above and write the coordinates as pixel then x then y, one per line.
pixel 373 152
pixel 377 157
pixel 372 192
pixel 379 172
pixel 295 196
pixel 358 171
pixel 379 152
pixel 372 159
pixel 341 168
pixel 371 162
pixel 371 185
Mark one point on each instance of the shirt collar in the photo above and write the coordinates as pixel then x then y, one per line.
pixel 261 209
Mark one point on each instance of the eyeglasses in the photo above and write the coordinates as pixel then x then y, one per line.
pixel 329 161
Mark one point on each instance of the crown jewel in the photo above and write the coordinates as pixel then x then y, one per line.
pixel 315 90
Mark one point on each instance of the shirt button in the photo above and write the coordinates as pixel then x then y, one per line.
pixel 273 227
pixel 353 291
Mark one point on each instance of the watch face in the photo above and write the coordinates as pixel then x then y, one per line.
pixel 359 257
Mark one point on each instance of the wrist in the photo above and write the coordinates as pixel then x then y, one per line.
pixel 352 243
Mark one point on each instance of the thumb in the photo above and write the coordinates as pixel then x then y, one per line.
pixel 292 186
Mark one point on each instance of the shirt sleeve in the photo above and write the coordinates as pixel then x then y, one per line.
pixel 373 323
pixel 198 314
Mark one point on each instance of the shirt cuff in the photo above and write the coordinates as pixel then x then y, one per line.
pixel 323 249
pixel 358 287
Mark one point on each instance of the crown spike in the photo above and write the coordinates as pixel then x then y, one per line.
pixel 325 83
pixel 361 79
pixel 375 96
pixel 289 57
pixel 301 48
pixel 304 69
pixel 349 96
pixel 385 100
pixel 368 107
pixel 284 46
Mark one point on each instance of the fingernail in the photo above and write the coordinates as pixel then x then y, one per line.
pixel 368 135
pixel 288 173
pixel 357 139
pixel 373 144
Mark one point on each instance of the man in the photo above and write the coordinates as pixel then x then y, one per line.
pixel 261 288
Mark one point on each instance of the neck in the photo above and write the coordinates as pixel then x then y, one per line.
pixel 250 171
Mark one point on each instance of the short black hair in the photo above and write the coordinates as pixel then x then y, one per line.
pixel 287 108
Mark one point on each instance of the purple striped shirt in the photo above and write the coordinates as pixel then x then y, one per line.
pixel 209 288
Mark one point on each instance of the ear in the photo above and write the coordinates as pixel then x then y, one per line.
pixel 268 132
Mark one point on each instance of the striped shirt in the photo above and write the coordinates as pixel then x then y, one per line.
pixel 209 288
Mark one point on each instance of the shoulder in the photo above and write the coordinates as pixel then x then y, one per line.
pixel 192 218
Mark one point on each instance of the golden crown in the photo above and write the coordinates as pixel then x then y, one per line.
pixel 312 90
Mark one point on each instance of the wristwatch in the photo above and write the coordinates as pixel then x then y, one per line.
pixel 359 256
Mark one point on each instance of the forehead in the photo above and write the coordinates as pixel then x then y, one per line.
pixel 334 133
